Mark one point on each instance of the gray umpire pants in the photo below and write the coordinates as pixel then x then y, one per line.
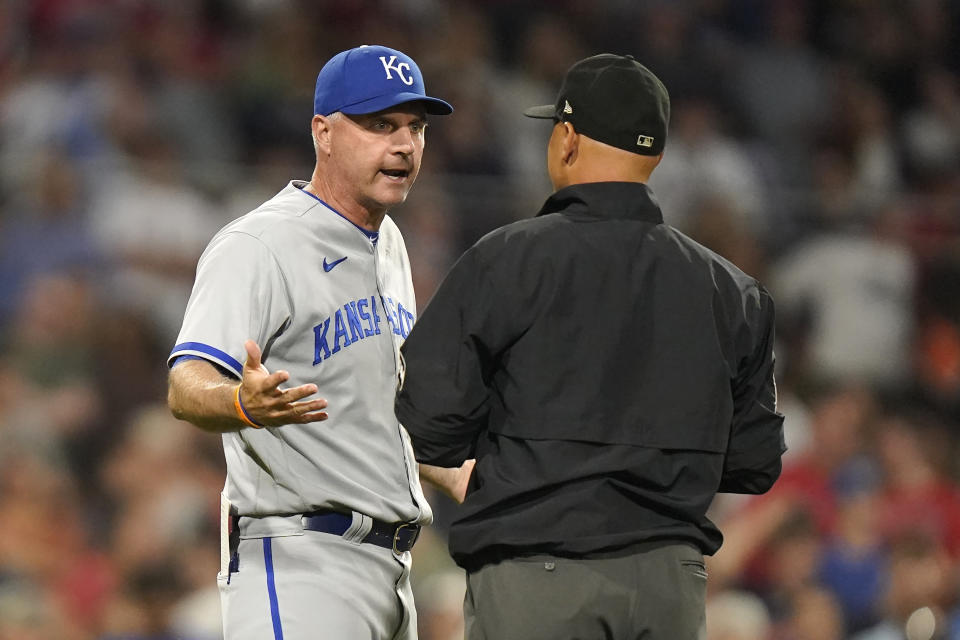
pixel 655 594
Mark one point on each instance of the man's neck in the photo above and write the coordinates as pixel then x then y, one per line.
pixel 364 217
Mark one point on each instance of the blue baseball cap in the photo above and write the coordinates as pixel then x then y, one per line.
pixel 371 78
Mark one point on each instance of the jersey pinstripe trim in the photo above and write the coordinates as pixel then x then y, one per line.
pixel 207 352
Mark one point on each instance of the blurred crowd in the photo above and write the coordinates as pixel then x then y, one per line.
pixel 815 143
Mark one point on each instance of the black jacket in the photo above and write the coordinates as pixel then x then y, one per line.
pixel 609 374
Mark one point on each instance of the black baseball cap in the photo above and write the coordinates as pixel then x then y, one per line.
pixel 615 100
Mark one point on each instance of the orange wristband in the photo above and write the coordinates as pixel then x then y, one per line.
pixel 242 412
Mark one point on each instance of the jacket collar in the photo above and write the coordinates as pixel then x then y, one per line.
pixel 606 200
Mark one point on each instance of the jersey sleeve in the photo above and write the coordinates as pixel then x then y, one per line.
pixel 239 294
pixel 753 460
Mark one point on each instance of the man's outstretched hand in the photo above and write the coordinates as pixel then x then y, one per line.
pixel 269 405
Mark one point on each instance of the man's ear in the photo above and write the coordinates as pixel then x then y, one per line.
pixel 570 144
pixel 321 126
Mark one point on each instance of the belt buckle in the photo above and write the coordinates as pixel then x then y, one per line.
pixel 396 535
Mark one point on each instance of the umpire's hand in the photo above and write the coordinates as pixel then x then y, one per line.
pixel 266 404
pixel 453 481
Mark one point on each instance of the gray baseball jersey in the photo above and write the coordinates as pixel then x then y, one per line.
pixel 330 303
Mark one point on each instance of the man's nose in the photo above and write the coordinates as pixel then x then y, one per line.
pixel 403 141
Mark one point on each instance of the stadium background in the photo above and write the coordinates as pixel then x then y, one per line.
pixel 815 143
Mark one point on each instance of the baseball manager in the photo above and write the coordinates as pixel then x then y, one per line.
pixel 312 291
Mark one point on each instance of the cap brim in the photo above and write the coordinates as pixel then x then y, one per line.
pixel 545 111
pixel 433 106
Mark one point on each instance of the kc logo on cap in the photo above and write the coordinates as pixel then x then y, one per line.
pixel 371 78
pixel 388 65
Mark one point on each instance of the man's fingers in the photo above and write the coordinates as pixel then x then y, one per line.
pixel 304 412
pixel 277 411
pixel 309 406
pixel 270 385
pixel 298 393
pixel 316 416
pixel 466 470
pixel 272 406
pixel 253 354
pixel 310 411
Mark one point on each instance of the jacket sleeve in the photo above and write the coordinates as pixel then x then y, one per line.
pixel 753 459
pixel 449 356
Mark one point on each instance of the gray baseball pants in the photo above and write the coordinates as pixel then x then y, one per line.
pixel 656 594
pixel 309 585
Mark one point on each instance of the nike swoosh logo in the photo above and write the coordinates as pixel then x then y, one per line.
pixel 328 266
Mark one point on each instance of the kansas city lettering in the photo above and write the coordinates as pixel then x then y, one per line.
pixel 357 320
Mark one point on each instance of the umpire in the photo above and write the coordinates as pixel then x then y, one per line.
pixel 608 375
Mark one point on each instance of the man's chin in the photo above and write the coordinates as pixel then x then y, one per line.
pixel 395 196
pixel 384 201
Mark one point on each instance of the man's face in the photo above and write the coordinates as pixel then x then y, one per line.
pixel 378 154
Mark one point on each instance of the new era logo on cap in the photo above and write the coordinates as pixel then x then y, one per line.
pixel 371 78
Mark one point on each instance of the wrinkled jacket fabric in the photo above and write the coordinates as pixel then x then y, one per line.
pixel 609 374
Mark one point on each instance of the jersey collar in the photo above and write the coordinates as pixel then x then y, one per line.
pixel 606 200
pixel 372 235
